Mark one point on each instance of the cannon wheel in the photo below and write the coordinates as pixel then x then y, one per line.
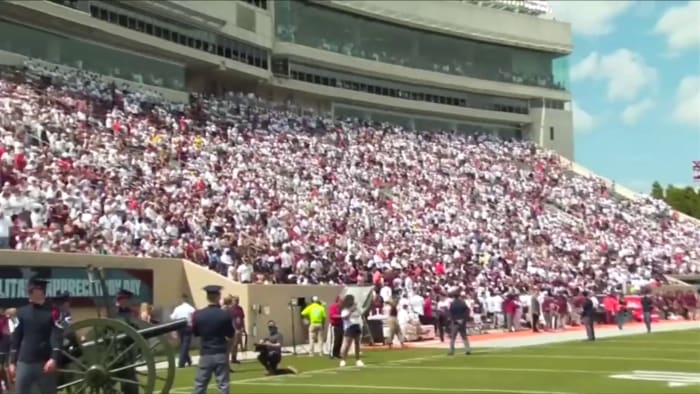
pixel 164 355
pixel 110 348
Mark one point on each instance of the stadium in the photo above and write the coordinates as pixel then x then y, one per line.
pixel 414 155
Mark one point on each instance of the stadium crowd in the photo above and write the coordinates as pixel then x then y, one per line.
pixel 266 194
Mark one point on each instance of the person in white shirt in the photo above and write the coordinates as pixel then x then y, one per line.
pixel 417 304
pixel 245 273
pixel 408 323
pixel 5 226
pixel 184 311
pixel 352 326
pixel 385 292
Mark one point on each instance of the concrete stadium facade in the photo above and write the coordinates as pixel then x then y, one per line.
pixel 458 66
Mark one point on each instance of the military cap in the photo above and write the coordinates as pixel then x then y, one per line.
pixel 213 289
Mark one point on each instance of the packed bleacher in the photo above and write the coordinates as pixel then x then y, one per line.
pixel 264 193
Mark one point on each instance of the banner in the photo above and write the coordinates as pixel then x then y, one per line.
pixel 13 284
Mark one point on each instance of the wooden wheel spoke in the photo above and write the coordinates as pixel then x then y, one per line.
pixel 127 381
pixel 71 371
pixel 73 359
pixel 110 348
pixel 72 383
pixel 127 367
pixel 121 355
pixel 158 377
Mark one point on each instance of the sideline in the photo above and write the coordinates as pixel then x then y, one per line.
pixel 413 388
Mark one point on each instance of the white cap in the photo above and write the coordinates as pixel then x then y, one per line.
pixel 314 299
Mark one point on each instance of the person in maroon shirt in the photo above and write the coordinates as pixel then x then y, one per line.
pixel 547 306
pixel 238 317
pixel 4 349
pixel 337 326
pixel 427 317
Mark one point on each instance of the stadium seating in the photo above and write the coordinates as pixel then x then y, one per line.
pixel 265 194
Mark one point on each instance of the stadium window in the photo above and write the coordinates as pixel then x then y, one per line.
pixel 166 34
pixel 220 50
pixel 183 39
pixel 94 11
pixel 113 17
pixel 140 26
pixel 295 75
pixel 551 133
pixel 324 81
pixel 104 14
pixel 190 42
pixel 198 44
pixel 123 20
pixel 131 23
pixel 157 31
pixel 227 52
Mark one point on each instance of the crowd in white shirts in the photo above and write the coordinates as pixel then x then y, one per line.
pixel 87 167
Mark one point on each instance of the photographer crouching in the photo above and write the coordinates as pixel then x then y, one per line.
pixel 270 350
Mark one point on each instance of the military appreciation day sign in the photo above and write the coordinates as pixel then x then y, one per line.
pixel 13 284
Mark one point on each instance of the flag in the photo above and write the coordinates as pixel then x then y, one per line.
pixel 696 170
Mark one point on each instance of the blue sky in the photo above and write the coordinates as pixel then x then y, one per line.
pixel 635 79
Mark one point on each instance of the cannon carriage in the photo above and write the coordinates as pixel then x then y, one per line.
pixel 111 354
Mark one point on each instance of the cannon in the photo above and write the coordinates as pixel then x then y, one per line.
pixel 103 354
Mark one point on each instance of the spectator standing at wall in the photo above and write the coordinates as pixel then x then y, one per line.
pixel 336 328
pixel 588 316
pixel 5 227
pixel 184 311
pixel 535 311
pixel 459 315
pixel 315 314
pixel 621 315
pixel 647 309
pixel 238 317
pixel 352 326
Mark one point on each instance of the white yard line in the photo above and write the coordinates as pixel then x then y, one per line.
pixel 645 349
pixel 336 369
pixel 592 357
pixel 497 369
pixel 178 390
pixel 412 388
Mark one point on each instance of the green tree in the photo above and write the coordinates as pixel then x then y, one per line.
pixel 657 191
pixel 685 199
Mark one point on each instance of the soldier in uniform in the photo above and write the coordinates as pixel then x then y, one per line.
pixel 62 304
pixel 214 326
pixel 36 343
pixel 124 308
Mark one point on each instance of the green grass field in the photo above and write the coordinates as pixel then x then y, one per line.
pixel 658 363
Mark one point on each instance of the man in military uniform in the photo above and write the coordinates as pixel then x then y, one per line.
pixel 270 350
pixel 214 326
pixel 124 309
pixel 36 343
pixel 62 304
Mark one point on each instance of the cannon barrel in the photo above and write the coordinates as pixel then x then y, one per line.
pixel 149 332
pixel 165 328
